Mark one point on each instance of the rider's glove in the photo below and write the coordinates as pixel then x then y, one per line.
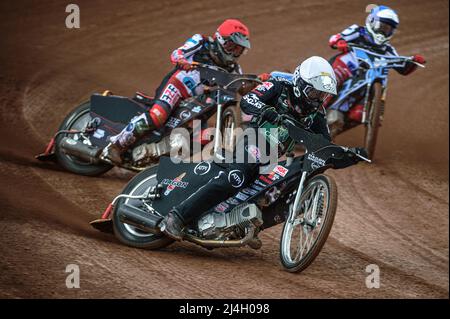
pixel 342 46
pixel 270 114
pixel 419 59
pixel 264 76
pixel 183 64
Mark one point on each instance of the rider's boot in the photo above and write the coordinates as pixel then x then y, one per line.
pixel 172 225
pixel 120 143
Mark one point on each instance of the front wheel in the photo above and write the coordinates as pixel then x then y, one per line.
pixel 374 120
pixel 305 234
pixel 128 234
pixel 78 119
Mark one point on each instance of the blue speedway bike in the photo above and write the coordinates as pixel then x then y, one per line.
pixel 368 88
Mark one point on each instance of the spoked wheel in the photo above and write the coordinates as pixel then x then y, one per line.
pixel 77 120
pixel 305 234
pixel 231 120
pixel 374 119
pixel 128 234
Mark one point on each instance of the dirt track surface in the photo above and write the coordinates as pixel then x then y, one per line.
pixel 393 213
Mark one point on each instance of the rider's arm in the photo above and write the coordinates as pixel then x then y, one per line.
pixel 260 97
pixel 188 49
pixel 320 126
pixel 348 35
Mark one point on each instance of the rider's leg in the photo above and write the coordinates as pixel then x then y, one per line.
pixel 168 96
pixel 225 184
pixel 344 66
pixel 138 127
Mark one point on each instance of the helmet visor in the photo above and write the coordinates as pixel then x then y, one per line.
pixel 315 95
pixel 232 48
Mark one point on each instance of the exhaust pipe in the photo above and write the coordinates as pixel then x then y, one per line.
pixel 141 219
pixel 75 148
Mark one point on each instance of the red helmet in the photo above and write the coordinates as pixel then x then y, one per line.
pixel 232 38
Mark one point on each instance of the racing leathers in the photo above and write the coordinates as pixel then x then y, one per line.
pixel 272 97
pixel 182 82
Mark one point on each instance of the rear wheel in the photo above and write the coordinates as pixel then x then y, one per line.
pixel 374 119
pixel 304 236
pixel 128 234
pixel 78 119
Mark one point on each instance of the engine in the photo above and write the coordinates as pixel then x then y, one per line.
pixel 215 225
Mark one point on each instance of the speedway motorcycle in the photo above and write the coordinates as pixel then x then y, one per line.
pixel 294 191
pixel 368 88
pixel 85 131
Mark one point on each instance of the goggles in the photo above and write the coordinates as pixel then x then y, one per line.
pixel 234 49
pixel 384 28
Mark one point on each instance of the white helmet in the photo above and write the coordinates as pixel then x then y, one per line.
pixel 313 81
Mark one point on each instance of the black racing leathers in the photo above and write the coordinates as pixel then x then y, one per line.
pixel 232 177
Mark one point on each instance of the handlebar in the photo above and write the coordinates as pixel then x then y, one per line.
pixel 287 120
pixel 234 77
pixel 207 66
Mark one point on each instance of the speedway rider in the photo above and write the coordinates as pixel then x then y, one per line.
pixel 381 25
pixel 313 82
pixel 223 49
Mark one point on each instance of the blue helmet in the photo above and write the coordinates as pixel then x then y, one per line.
pixel 381 24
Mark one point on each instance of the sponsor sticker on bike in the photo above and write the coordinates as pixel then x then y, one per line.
pixel 173 122
pixel 273 176
pixel 249 191
pixel 258 182
pixel 185 114
pixel 264 87
pixel 265 179
pixel 232 201
pixel 241 196
pixel 99 133
pixel 222 207
pixel 197 109
pixel 316 161
pixel 256 187
pixel 281 170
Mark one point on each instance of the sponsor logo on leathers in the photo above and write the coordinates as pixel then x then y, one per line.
pixel 236 178
pixel 202 168
pixel 174 183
